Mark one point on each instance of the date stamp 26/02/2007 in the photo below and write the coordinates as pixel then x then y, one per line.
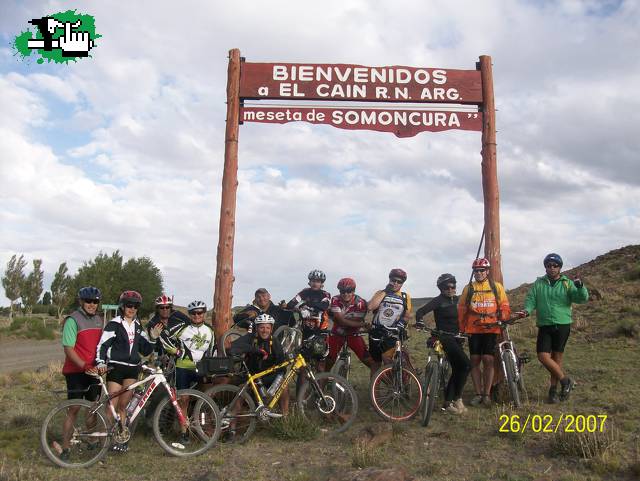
pixel 548 423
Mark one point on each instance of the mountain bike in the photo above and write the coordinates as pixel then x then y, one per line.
pixel 436 373
pixel 342 366
pixel 326 399
pixel 511 362
pixel 396 392
pixel 76 433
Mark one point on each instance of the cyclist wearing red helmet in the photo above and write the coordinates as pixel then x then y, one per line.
pixel 348 311
pixel 167 316
pixel 482 301
pixel 121 344
pixel 391 307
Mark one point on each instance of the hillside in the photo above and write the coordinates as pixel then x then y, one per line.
pixel 603 356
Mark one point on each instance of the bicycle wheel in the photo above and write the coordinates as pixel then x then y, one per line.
pixel 431 388
pixel 227 336
pixel 87 434
pixel 290 338
pixel 395 398
pixel 199 433
pixel 341 368
pixel 509 361
pixel 238 421
pixel 330 402
pixel 521 385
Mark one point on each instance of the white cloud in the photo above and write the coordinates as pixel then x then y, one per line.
pixel 138 164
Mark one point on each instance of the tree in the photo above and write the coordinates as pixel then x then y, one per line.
pixel 13 280
pixel 46 299
pixel 112 276
pixel 32 286
pixel 62 289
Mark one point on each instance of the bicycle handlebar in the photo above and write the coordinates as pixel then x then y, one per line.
pixel 438 332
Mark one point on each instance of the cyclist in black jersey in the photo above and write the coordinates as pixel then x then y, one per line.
pixel 445 312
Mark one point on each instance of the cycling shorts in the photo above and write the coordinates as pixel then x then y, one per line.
pixel 121 372
pixel 379 347
pixel 355 343
pixel 553 338
pixel 482 344
pixel 186 377
pixel 82 386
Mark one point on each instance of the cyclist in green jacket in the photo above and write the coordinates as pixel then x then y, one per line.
pixel 551 297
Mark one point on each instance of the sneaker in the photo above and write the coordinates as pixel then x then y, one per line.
pixel 553 396
pixel 486 401
pixel 477 399
pixel 452 409
pixel 65 454
pixel 566 387
pixel 460 406
pixel 185 440
pixel 120 447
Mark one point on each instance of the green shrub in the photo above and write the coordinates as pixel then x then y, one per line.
pixel 294 427
pixel 633 274
pixel 628 328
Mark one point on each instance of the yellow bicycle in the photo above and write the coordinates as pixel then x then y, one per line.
pixel 326 399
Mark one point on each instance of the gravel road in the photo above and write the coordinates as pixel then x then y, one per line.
pixel 27 355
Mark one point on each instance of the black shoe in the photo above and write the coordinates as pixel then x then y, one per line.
pixel 566 388
pixel 185 440
pixel 553 396
pixel 121 447
pixel 65 454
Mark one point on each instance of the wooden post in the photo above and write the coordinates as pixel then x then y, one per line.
pixel 490 172
pixel 222 295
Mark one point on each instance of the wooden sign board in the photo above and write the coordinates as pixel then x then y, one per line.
pixel 401 122
pixel 292 81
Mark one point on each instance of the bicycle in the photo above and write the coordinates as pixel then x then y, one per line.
pixel 396 392
pixel 342 366
pixel 89 435
pixel 436 373
pixel 511 362
pixel 316 399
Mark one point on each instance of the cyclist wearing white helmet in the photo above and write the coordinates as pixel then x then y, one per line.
pixel 262 351
pixel 312 303
pixel 189 341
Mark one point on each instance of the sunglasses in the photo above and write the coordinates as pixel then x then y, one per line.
pixel 480 270
pixel 396 281
pixel 164 307
pixel 91 301
pixel 551 264
pixel 347 291
pixel 131 306
pixel 450 286
pixel 197 313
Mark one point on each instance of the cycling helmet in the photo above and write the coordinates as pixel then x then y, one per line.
pixel 130 297
pixel 398 273
pixel 552 258
pixel 90 293
pixel 164 300
pixel 317 275
pixel 481 263
pixel 196 305
pixel 347 284
pixel 264 319
pixel 445 279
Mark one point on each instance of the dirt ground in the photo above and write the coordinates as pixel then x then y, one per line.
pixel 27 354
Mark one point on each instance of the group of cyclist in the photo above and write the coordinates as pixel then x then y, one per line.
pixel 116 348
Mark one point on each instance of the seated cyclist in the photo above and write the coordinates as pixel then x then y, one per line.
pixel 189 341
pixel 348 311
pixel 121 345
pixel 445 312
pixel 391 307
pixel 262 305
pixel 262 351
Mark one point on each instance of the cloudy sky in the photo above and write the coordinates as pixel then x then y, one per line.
pixel 124 150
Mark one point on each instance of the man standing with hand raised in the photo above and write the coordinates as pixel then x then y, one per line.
pixel 551 297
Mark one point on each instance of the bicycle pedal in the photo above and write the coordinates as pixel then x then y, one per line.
pixel 273 415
